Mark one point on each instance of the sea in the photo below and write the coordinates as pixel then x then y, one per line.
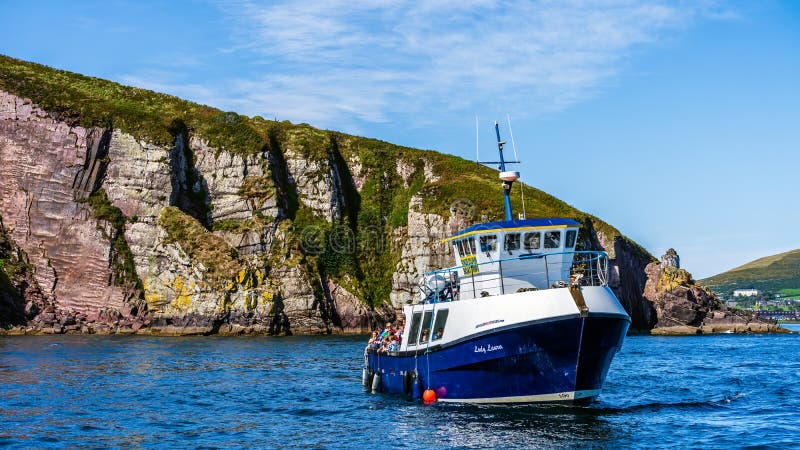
pixel 74 391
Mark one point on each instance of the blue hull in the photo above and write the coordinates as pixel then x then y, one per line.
pixel 560 360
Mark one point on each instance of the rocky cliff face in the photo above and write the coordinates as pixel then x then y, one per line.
pixel 683 307
pixel 96 213
pixel 124 235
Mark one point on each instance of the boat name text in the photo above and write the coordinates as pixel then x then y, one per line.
pixel 487 348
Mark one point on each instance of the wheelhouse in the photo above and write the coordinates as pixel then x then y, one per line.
pixel 511 256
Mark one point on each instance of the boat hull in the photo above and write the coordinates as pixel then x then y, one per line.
pixel 555 360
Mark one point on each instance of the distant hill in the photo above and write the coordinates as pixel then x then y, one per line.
pixel 774 273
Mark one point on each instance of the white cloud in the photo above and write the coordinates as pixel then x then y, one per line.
pixel 335 62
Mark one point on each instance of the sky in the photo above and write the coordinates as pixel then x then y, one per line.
pixel 676 122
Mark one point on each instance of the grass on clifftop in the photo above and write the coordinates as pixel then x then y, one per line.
pixel 147 115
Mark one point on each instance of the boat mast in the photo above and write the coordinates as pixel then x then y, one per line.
pixel 508 177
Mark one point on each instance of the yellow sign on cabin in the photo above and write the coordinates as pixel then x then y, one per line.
pixel 470 265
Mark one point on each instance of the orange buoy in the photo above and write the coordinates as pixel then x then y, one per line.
pixel 429 396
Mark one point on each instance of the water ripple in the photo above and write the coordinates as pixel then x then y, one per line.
pixel 305 392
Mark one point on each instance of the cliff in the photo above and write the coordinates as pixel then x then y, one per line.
pixel 128 211
pixel 684 307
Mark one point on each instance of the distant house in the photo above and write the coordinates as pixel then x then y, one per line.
pixel 746 292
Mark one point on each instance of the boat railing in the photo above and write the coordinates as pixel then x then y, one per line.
pixel 510 275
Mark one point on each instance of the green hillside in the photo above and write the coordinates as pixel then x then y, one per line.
pixel 382 203
pixel 777 274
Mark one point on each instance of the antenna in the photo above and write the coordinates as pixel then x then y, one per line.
pixel 507 176
pixel 511 133
pixel 502 161
pixel 514 146
pixel 477 155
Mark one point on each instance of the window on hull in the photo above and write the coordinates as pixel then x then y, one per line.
pixel 425 334
pixel 438 324
pixel 414 331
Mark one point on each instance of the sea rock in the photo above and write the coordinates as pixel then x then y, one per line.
pixel 671 259
pixel 683 307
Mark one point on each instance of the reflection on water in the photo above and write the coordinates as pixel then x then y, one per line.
pixel 132 391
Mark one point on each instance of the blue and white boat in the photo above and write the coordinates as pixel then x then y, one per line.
pixel 521 318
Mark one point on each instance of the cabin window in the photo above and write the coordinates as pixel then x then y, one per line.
pixel 533 241
pixel 552 239
pixel 412 334
pixel 488 243
pixel 460 247
pixel 467 248
pixel 470 246
pixel 511 242
pixel 438 324
pixel 570 242
pixel 426 327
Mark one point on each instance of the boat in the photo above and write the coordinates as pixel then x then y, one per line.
pixel 522 317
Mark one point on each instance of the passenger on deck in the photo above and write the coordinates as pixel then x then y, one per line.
pixel 438 334
pixel 424 337
pixel 374 342
pixel 387 331
pixel 373 338
pixel 384 349
pixel 394 347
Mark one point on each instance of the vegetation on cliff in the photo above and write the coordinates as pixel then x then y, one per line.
pixel 147 115
pixel 773 273
pixel 357 248
pixel 103 210
pixel 13 269
pixel 7 263
pixel 212 251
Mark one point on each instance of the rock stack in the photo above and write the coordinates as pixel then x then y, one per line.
pixel 684 307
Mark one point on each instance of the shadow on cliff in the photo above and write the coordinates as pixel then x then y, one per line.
pixel 288 202
pixel 279 322
pixel 189 187
pixel 12 304
pixel 21 298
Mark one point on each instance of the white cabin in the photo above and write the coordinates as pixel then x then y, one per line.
pixel 512 256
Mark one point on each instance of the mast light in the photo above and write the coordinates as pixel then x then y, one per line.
pixel 511 175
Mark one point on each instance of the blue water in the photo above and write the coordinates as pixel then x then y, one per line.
pixel 98 391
